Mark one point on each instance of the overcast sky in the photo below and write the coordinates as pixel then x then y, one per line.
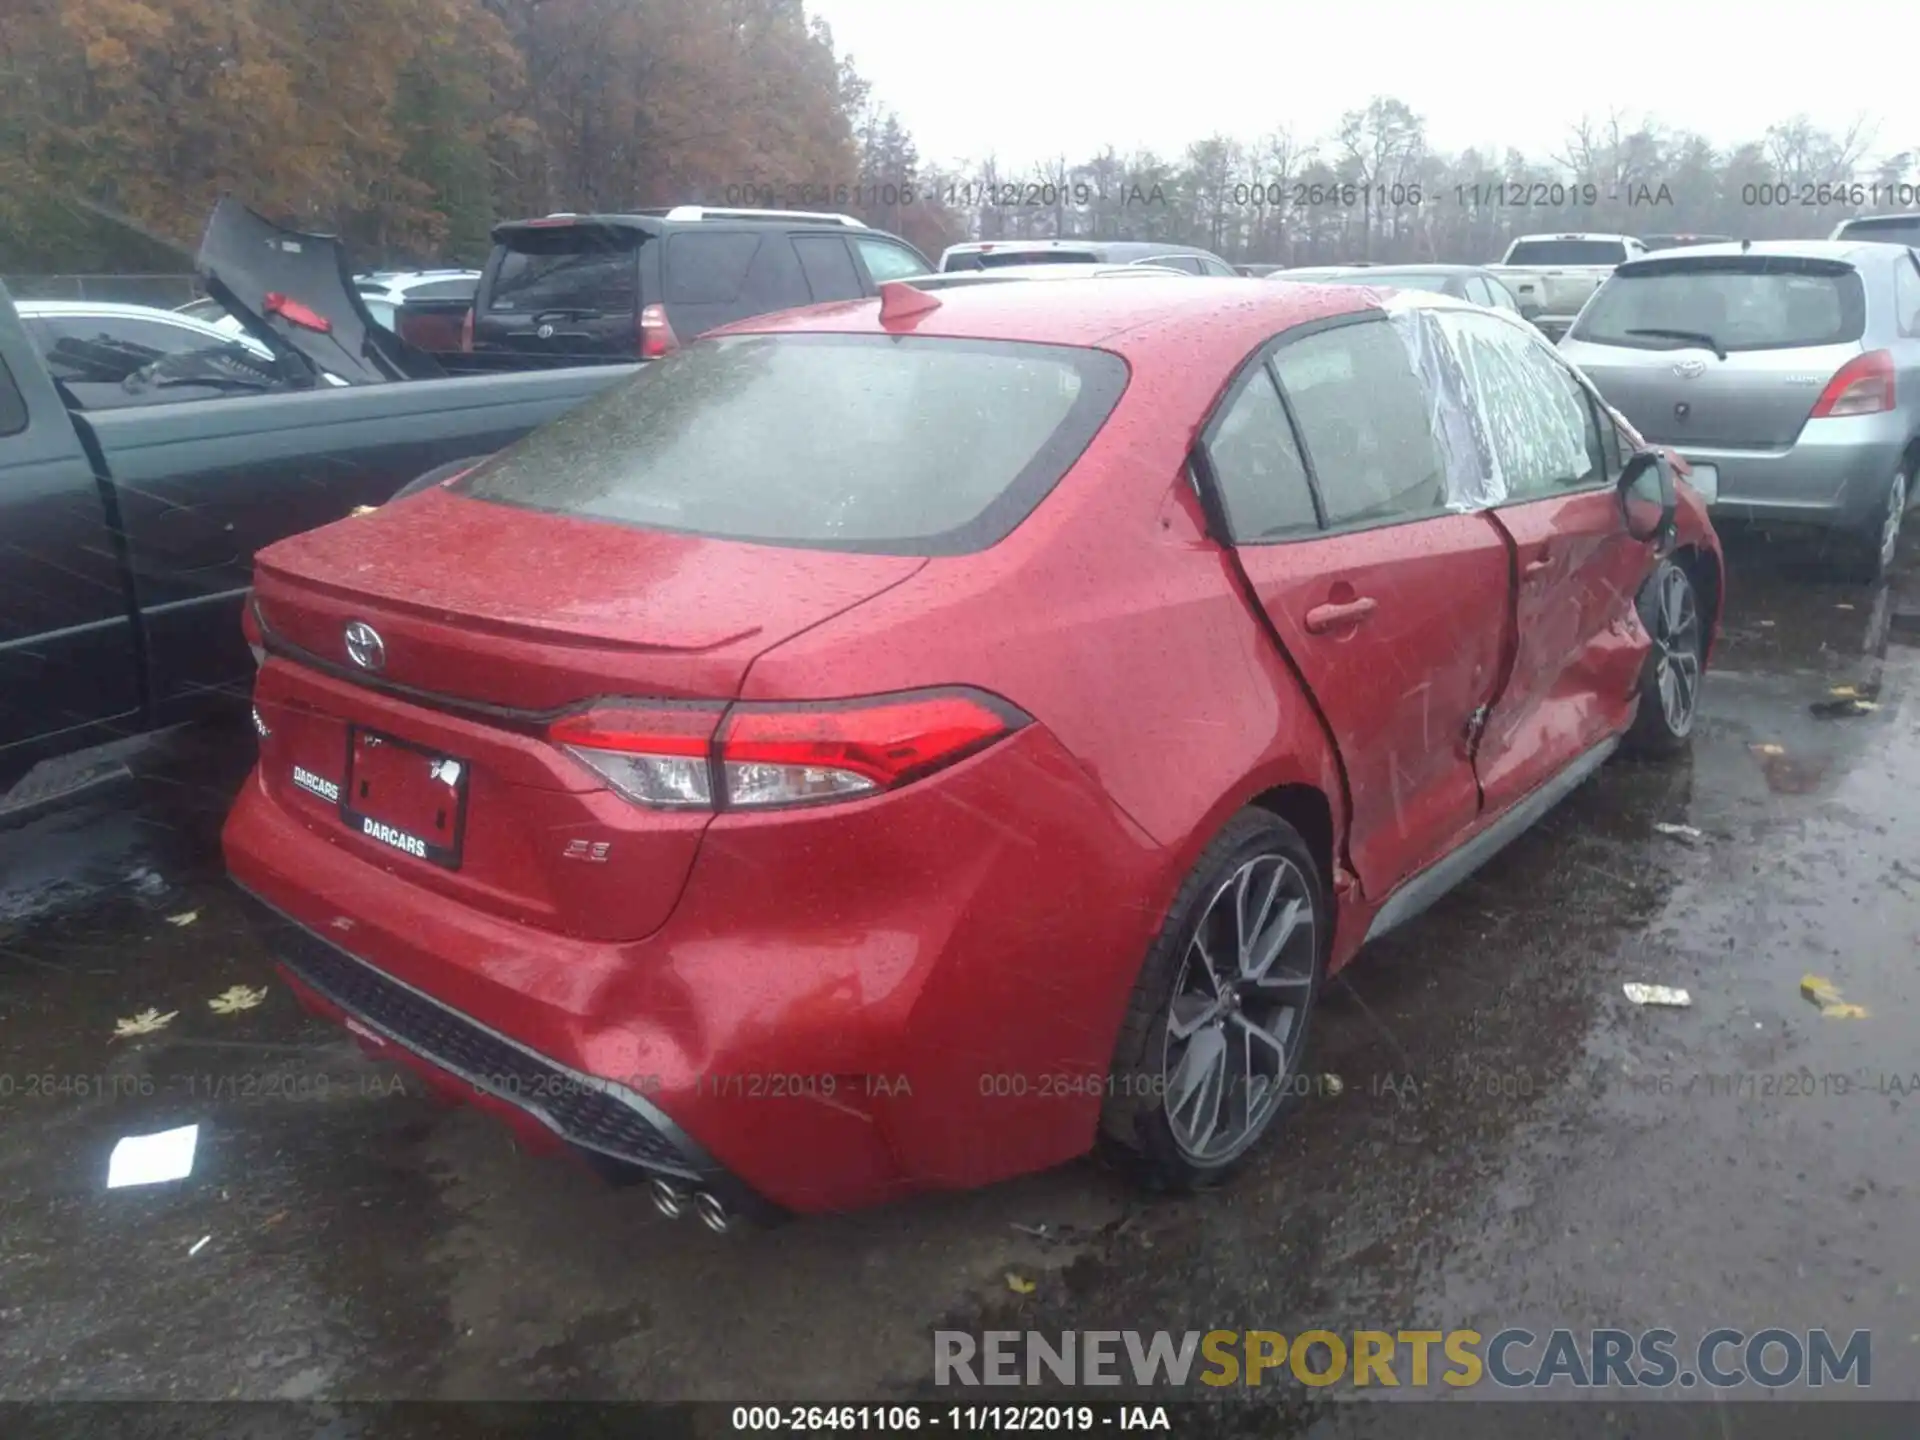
pixel 1030 79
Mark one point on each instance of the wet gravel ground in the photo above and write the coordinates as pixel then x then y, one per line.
pixel 1513 1143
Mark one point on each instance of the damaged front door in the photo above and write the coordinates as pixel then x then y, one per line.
pixel 1578 644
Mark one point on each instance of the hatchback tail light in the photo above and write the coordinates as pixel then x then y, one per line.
pixel 1863 386
pixel 687 756
pixel 656 335
pixel 466 332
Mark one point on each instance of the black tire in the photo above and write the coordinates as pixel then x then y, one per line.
pixel 435 476
pixel 1867 555
pixel 1136 1130
pixel 1657 731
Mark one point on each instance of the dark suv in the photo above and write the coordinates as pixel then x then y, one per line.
pixel 637 285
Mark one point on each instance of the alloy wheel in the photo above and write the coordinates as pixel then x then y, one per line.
pixel 1676 640
pixel 1890 523
pixel 1239 1004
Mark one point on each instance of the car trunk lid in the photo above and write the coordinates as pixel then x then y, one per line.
pixel 419 740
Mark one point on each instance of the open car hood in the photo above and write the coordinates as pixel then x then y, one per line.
pixel 294 292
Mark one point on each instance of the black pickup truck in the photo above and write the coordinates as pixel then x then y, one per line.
pixel 127 534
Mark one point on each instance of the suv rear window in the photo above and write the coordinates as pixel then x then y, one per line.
pixel 1566 252
pixel 897 445
pixel 1744 302
pixel 587 268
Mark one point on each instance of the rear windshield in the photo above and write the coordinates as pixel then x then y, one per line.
pixel 897 445
pixel 986 260
pixel 1566 252
pixel 1890 230
pixel 581 268
pixel 1744 303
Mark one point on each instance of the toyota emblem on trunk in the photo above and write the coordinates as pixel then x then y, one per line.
pixel 365 647
pixel 1689 369
pixel 545 332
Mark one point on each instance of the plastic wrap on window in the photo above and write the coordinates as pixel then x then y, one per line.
pixel 1474 480
pixel 1536 421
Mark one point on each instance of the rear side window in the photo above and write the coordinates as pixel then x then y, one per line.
pixel 1217 267
pixel 13 405
pixel 1263 482
pixel 1742 302
pixel 896 445
pixel 829 267
pixel 1906 294
pixel 581 268
pixel 1365 419
pixel 1539 422
pixel 887 261
pixel 708 269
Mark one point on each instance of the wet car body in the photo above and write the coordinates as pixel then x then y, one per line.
pixel 826 1005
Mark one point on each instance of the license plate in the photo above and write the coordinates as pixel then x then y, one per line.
pixel 405 796
pixel 1705 479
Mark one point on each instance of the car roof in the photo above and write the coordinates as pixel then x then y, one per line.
pixel 1192 311
pixel 1574 235
pixel 1108 247
pixel 1842 250
pixel 1072 270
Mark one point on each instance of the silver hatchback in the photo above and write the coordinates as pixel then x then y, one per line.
pixel 1787 373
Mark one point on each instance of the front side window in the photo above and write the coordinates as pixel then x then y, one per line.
pixel 892 444
pixel 1366 420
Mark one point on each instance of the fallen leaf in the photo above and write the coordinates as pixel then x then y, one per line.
pixel 1019 1284
pixel 1657 995
pixel 1770 749
pixel 236 998
pixel 274 1219
pixel 1821 992
pixel 186 919
pixel 145 1023
pixel 1766 624
pixel 363 509
pixel 1866 704
pixel 1843 691
pixel 1333 1084
pixel 1843 607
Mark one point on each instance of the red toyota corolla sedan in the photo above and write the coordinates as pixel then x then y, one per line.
pixel 902 744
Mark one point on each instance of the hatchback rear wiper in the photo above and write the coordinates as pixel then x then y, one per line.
pixel 1700 336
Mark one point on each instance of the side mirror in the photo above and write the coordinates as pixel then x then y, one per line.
pixel 1530 310
pixel 1645 491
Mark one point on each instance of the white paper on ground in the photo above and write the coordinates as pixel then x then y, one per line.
pixel 151 1159
pixel 1657 995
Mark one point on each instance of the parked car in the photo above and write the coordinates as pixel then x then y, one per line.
pixel 428 308
pixel 131 528
pixel 1257 272
pixel 637 285
pixel 974 708
pixel 949 279
pixel 1463 282
pixel 985 254
pixel 1559 273
pixel 1787 372
pixel 1901 229
pixel 1681 242
pixel 109 356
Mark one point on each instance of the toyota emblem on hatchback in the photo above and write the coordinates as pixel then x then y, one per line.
pixel 1689 369
pixel 545 332
pixel 365 647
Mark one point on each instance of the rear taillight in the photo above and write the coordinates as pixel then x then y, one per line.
pixel 684 756
pixel 466 332
pixel 656 335
pixel 1863 386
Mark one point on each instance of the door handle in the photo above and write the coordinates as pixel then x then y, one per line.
pixel 1323 618
pixel 1539 565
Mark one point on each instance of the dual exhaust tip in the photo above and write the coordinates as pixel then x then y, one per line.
pixel 673 1202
